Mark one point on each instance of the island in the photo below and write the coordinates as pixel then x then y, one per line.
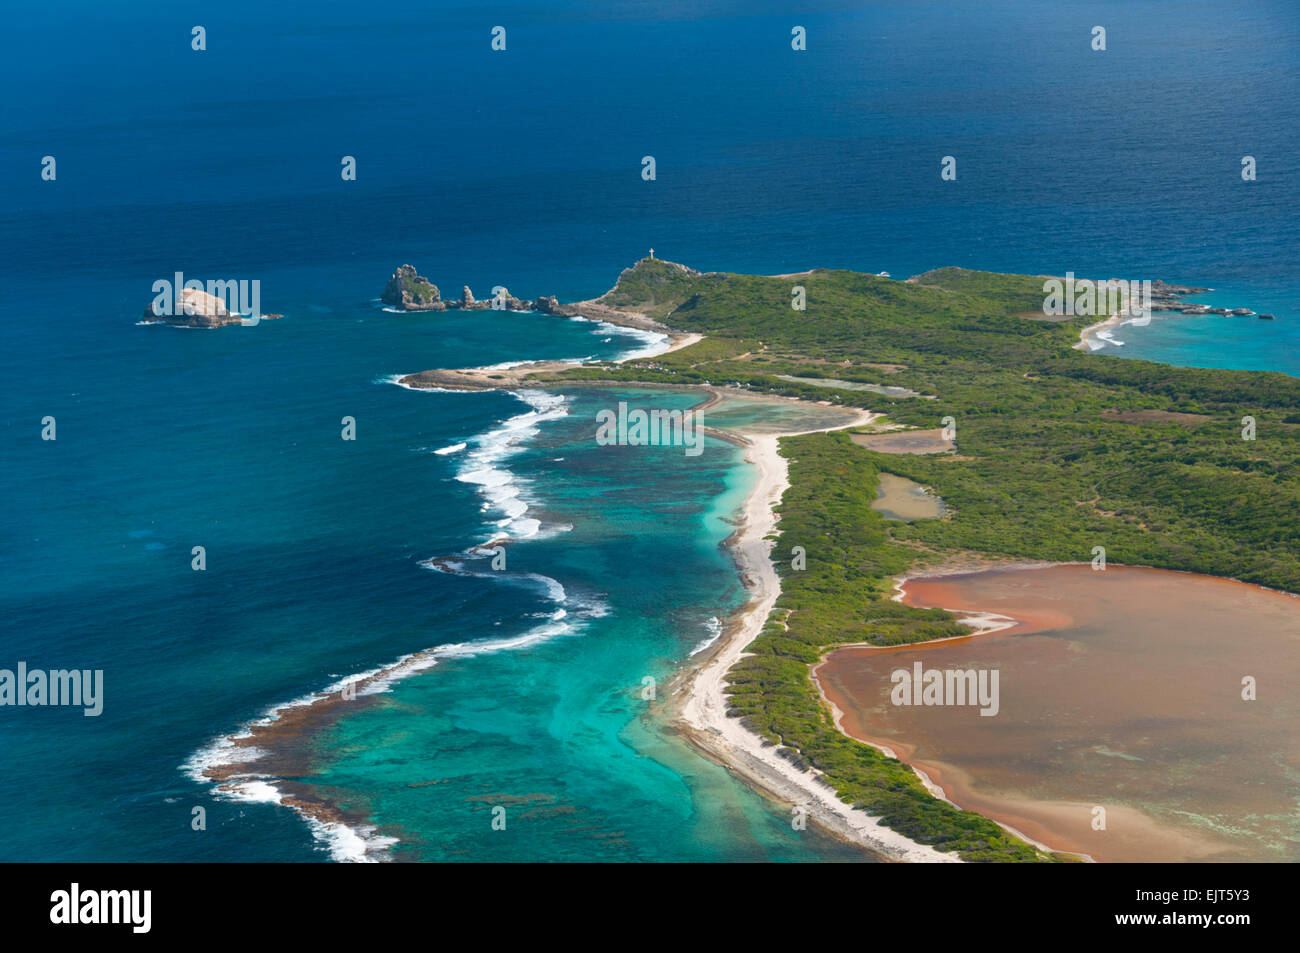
pixel 196 308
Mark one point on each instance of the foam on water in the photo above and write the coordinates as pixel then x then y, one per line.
pixel 651 342
pixel 500 487
pixel 362 843
pixel 713 625
pixel 484 466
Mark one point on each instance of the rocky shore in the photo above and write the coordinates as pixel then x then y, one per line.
pixel 535 373
pixel 408 290
pixel 1167 297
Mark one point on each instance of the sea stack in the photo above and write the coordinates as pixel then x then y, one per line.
pixel 410 291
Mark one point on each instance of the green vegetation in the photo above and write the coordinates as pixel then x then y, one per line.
pixel 842 597
pixel 652 286
pixel 1058 451
pixel 407 287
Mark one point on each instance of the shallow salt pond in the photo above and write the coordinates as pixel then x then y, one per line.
pixel 902 499
pixel 905 441
pixel 1121 690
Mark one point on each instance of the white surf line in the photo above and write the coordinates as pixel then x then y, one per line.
pixel 1097 330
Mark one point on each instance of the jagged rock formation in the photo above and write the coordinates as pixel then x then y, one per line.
pixel 411 292
pixel 511 303
pixel 467 301
pixel 645 292
pixel 1165 297
pixel 548 304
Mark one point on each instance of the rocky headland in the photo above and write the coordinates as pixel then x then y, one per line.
pixel 1168 298
pixel 407 285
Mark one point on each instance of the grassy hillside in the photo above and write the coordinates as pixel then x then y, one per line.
pixel 652 286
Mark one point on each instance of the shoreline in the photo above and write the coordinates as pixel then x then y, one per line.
pixel 701 719
pixel 517 374
pixel 1089 334
pixel 1165 298
pixel 698 705
pixel 263 761
pixel 698 709
pixel 701 716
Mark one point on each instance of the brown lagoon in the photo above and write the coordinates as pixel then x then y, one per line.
pixel 1119 689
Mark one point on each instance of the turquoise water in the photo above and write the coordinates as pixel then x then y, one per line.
pixel 559 734
pixel 318 567
pixel 537 704
pixel 1241 343
pixel 520 169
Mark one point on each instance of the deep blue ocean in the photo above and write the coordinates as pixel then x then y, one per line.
pixel 519 168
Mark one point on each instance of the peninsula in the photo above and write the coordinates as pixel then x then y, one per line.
pixel 1048 453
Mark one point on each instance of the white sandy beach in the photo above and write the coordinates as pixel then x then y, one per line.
pixel 703 713
pixel 676 341
pixel 1087 337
